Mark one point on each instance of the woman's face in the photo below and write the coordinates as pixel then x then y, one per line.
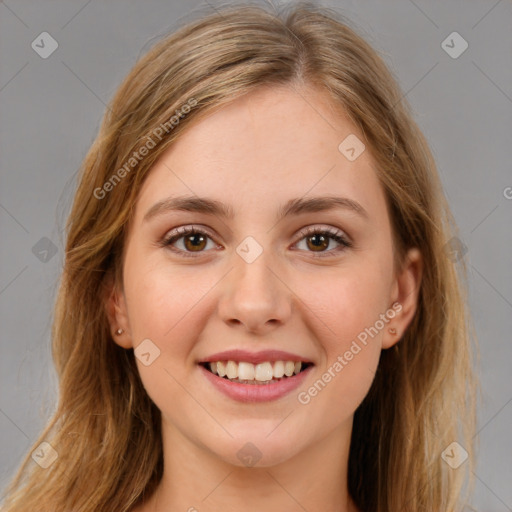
pixel 270 279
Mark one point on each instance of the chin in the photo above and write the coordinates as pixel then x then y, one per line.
pixel 257 449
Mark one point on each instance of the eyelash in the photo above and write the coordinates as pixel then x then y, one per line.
pixel 331 233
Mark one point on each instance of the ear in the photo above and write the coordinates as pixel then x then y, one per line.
pixel 404 297
pixel 117 313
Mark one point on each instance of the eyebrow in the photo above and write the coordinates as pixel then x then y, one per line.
pixel 292 207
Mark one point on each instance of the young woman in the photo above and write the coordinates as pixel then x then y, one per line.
pixel 258 310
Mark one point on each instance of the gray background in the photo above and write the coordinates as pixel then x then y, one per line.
pixel 50 113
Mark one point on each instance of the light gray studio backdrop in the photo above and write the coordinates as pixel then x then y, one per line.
pixel 52 99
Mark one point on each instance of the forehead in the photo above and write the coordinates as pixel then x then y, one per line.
pixel 261 150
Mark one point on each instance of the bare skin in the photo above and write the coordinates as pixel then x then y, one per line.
pixel 303 294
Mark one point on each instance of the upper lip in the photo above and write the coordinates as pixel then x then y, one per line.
pixel 254 357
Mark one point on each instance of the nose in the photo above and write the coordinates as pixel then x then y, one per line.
pixel 255 296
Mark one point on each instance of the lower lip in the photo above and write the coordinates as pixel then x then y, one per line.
pixel 256 392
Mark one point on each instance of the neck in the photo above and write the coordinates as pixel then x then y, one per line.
pixel 196 480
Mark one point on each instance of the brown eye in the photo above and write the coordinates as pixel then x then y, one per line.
pixel 318 240
pixel 194 241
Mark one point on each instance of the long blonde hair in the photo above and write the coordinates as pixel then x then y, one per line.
pixel 106 430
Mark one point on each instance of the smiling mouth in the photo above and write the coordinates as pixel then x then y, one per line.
pixel 256 374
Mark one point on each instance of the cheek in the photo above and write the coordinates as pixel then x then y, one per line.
pixel 338 390
pixel 169 307
pixel 347 306
pixel 346 311
pixel 173 308
pixel 345 301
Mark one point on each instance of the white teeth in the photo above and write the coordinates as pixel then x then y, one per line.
pixel 278 369
pixel 261 372
pixel 245 371
pixel 221 369
pixel 231 370
pixel 289 367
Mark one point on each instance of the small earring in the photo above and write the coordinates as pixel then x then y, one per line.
pixel 119 331
pixel 392 330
